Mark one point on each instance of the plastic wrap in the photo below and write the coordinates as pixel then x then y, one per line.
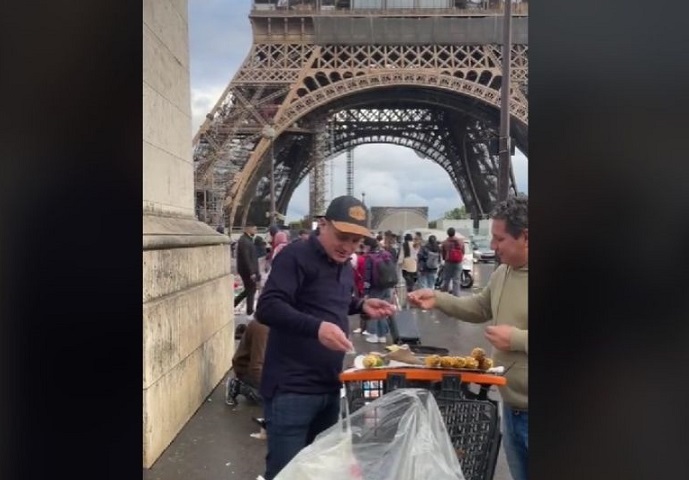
pixel 399 436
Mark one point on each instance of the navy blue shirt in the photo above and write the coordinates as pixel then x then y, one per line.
pixel 305 287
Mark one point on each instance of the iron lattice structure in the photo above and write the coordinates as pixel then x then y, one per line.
pixel 324 95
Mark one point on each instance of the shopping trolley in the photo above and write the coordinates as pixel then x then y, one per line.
pixel 472 418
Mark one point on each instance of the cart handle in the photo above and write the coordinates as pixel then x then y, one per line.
pixel 430 374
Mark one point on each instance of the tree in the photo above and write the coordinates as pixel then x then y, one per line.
pixel 458 213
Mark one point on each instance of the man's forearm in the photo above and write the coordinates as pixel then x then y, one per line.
pixel 469 309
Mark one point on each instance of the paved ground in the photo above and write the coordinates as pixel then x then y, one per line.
pixel 215 444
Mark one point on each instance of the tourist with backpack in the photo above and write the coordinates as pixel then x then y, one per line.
pixel 380 278
pixel 453 253
pixel 429 262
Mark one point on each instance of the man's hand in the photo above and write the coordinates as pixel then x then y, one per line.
pixel 332 336
pixel 252 277
pixel 377 308
pixel 500 336
pixel 424 298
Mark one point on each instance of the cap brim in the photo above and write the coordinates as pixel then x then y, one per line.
pixel 351 228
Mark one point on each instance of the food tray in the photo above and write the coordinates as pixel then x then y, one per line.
pixel 393 364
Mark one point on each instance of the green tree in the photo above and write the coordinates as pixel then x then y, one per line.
pixel 458 213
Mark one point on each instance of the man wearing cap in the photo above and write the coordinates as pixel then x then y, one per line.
pixel 306 302
pixel 503 303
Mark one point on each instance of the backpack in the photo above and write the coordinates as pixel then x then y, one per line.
pixel 394 252
pixel 456 252
pixel 383 270
pixel 432 260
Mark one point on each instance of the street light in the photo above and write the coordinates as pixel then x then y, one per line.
pixel 363 200
pixel 504 141
pixel 270 133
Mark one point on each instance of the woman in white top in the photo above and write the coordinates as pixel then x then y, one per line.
pixel 407 260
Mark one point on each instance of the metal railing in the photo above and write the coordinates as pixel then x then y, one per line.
pixel 316 7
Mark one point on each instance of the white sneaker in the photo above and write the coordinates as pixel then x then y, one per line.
pixel 367 333
pixel 356 330
pixel 259 435
pixel 382 339
pixel 372 339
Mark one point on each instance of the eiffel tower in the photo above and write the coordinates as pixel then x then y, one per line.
pixel 324 76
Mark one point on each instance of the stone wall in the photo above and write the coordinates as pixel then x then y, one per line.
pixel 398 219
pixel 188 324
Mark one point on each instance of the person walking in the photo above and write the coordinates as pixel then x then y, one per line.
pixel 261 253
pixel 453 253
pixel 359 273
pixel 305 303
pixel 279 242
pixel 407 261
pixel 503 303
pixel 380 278
pixel 247 268
pixel 428 263
pixel 418 241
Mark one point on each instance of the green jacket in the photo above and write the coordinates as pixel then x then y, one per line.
pixel 503 301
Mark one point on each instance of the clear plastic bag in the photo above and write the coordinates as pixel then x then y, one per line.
pixel 399 436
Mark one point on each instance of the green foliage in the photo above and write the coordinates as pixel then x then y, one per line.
pixel 458 213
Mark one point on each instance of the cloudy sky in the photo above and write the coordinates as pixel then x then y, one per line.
pixel 219 40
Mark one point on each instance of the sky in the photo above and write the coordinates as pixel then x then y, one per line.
pixel 389 175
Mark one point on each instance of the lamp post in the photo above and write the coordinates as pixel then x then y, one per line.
pixel 363 200
pixel 269 133
pixel 504 141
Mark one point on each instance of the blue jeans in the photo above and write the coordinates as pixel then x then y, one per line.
pixel 451 273
pixel 380 326
pixel 515 440
pixel 292 422
pixel 427 279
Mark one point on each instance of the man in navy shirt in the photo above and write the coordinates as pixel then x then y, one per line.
pixel 305 302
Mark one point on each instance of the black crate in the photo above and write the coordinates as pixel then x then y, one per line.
pixel 471 418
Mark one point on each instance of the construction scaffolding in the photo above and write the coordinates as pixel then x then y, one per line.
pixel 317 177
pixel 350 172
pixel 374 83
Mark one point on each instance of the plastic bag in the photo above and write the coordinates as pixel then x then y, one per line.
pixel 399 436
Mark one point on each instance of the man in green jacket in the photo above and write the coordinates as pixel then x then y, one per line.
pixel 503 303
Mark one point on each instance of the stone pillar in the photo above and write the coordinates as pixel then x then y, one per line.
pixel 188 324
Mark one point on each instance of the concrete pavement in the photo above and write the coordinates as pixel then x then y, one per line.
pixel 215 443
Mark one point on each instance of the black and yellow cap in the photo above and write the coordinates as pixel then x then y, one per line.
pixel 348 214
